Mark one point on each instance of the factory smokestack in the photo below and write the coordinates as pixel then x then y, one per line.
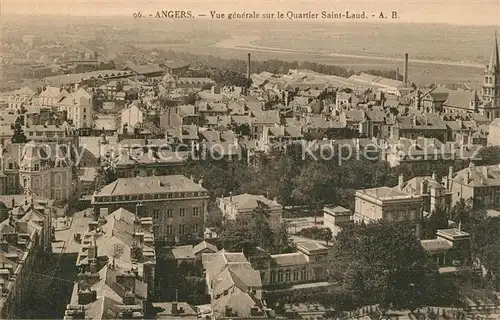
pixel 248 67
pixel 405 77
pixel 397 73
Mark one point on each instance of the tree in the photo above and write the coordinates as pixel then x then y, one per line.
pixel 383 263
pixel 437 220
pixel 327 235
pixel 19 136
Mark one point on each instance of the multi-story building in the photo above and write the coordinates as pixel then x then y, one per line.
pixel 78 106
pixel 481 184
pixel 434 195
pixel 50 97
pixel 28 230
pixel 426 125
pixel 22 97
pixel 244 207
pixel 304 266
pixel 131 116
pixel 389 204
pixel 45 170
pixel 235 288
pixel 177 205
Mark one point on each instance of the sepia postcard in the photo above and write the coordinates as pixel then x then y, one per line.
pixel 249 160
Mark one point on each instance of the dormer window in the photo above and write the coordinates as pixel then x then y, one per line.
pixel 37 167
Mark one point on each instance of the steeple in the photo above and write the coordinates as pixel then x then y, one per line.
pixel 494 63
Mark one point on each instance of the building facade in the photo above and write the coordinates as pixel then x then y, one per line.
pixel 244 207
pixel 177 205
pixel 389 204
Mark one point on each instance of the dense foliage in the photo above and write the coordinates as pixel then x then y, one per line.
pixel 384 263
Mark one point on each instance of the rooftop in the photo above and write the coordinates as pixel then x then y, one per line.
pixel 154 184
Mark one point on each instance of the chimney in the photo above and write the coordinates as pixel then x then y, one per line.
pixel 175 311
pixel 405 76
pixel 127 280
pixel 86 296
pixel 450 172
pixel 401 181
pixel 248 67
pixel 434 177
pixel 230 196
pixel 129 298
pixel 397 73
pixel 423 186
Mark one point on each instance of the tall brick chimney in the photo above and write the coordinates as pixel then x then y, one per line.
pixel 405 77
pixel 248 67
pixel 397 73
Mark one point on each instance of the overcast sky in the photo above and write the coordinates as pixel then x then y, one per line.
pixel 465 12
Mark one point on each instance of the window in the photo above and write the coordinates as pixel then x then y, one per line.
pixel 170 195
pixel 288 276
pixel 303 274
pixel 169 213
pixel 195 228
pixel 182 195
pixel 156 213
pixel 37 167
pixel 182 212
pixel 11 165
pixel 273 277
pixel 280 276
pixel 169 230
pixel 295 275
pixel 182 229
pixel 196 211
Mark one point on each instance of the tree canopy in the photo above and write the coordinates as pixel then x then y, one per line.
pixel 384 263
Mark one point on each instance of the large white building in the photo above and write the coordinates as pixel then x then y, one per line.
pixel 78 106
pixel 244 207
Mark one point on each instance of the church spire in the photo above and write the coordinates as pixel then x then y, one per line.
pixel 494 64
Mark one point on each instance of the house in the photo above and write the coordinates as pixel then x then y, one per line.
pixel 45 170
pixel 79 109
pixel 50 96
pixel 191 254
pixel 132 115
pixel 235 288
pixel 432 101
pixel 425 125
pixel 451 247
pixel 481 184
pixel 244 206
pixel 335 218
pixel 23 239
pixel 176 204
pixel 435 197
pixel 22 97
pixel 389 204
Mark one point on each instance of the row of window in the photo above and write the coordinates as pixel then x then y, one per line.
pixel 150 196
pixel 182 229
pixel 195 211
pixel 280 276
